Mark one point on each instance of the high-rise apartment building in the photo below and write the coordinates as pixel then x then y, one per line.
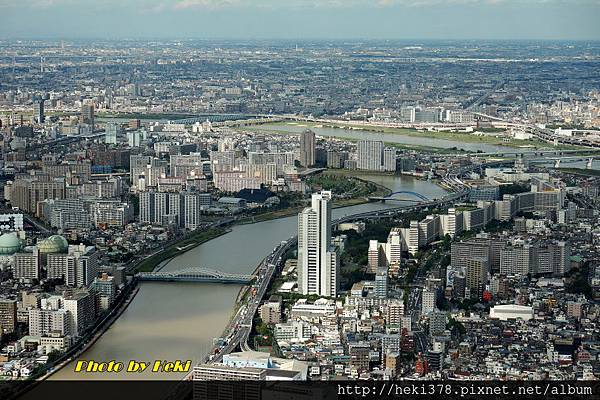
pixel 394 314
pixel 451 223
pixel 518 259
pixel 182 209
pixel 111 132
pixel 476 275
pixel 110 213
pixel 307 148
pixel 26 266
pixel 375 256
pixel 27 193
pixel 428 298
pixel 38 111
pixel 44 322
pixel 393 247
pixel 370 155
pixel 410 237
pixel 87 114
pixel 389 159
pixel 8 315
pixel 317 261
pixel 183 166
pixel 381 282
pixel 336 159
pixel 79 267
pixel 146 170
pixel 81 311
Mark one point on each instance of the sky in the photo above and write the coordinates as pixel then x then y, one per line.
pixel 301 19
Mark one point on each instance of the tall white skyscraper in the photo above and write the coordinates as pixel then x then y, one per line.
pixel 317 261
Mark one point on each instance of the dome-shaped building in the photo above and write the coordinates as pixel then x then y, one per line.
pixel 10 244
pixel 53 244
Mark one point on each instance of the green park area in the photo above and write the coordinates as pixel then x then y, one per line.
pixel 348 190
pixel 189 242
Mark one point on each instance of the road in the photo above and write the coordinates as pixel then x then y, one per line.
pixel 238 330
pixel 36 224
pixel 479 100
pixel 65 140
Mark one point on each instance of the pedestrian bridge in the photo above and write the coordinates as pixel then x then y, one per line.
pixel 393 197
pixel 194 275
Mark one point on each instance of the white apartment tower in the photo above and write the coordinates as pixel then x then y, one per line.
pixel 370 155
pixel 317 261
pixel 373 156
pixel 428 298
pixel 393 247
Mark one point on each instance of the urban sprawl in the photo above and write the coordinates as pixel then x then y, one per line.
pixel 119 156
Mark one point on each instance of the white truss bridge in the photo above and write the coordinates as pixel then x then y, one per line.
pixel 195 275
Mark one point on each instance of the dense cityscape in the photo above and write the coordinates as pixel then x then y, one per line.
pixel 418 209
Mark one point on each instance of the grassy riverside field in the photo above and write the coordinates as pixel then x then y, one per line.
pixel 188 243
pixel 454 136
pixel 408 147
pixel 360 196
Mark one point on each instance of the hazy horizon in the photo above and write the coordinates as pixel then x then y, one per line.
pixel 553 20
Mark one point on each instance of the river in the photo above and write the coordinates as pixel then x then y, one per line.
pixel 179 320
pixel 361 134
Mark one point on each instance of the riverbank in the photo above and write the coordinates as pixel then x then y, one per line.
pixel 159 324
pixel 443 135
pixel 401 146
pixel 340 203
pixel 173 250
pixel 186 244
pixel 90 339
pixel 580 171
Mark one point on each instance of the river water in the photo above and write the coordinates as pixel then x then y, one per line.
pixel 359 134
pixel 179 320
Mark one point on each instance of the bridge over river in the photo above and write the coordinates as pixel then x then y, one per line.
pixel 394 197
pixel 195 275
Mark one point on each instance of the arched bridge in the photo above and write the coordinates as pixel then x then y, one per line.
pixel 194 275
pixel 392 196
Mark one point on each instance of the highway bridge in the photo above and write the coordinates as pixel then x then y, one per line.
pixel 531 153
pixel 215 118
pixel 65 140
pixel 195 275
pixel 311 171
pixel 565 160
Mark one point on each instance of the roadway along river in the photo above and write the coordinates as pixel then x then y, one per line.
pixel 179 320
